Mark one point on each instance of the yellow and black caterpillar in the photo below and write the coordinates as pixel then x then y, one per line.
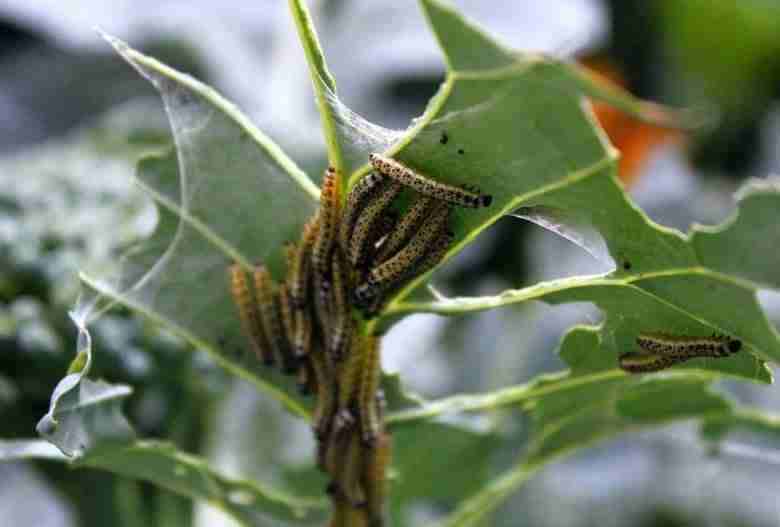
pixel 660 351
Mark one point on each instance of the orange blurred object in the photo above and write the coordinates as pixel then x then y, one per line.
pixel 633 138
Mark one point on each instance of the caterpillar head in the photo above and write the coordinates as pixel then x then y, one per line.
pixel 734 345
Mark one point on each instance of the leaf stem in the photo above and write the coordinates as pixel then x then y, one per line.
pixel 322 80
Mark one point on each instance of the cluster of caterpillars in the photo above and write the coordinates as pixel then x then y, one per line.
pixel 660 351
pixel 345 266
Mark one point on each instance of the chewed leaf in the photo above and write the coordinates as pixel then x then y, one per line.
pixel 518 127
pixel 740 246
pixel 227 195
pixel 85 414
pixel 524 134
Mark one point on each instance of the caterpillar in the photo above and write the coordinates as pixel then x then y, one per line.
pixel 350 374
pixel 322 302
pixel 394 270
pixel 370 425
pixel 403 231
pixel 345 514
pixel 328 222
pixel 357 516
pixel 357 200
pixel 271 318
pixel 364 234
pixel 326 400
pixel 299 262
pixel 307 381
pixel 341 318
pixel 350 482
pixel 429 260
pixel 302 335
pixel 688 347
pixel 387 224
pixel 428 187
pixel 435 253
pixel 247 313
pixel 334 447
pixel 660 351
pixel 286 312
pixel 377 462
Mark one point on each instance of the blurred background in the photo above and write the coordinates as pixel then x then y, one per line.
pixel 74 117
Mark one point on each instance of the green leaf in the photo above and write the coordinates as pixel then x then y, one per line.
pixel 517 127
pixel 568 416
pixel 465 50
pixel 742 418
pixel 533 145
pixel 697 298
pixel 521 133
pixel 744 245
pixel 162 464
pixel 84 414
pixel 420 454
pixel 229 195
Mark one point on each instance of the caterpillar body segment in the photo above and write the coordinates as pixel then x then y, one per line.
pixel 367 224
pixel 299 264
pixel 326 398
pixel 328 222
pixel 396 170
pixel 437 251
pixel 350 373
pixel 341 514
pixel 290 363
pixel 644 362
pixel 346 515
pixel 306 379
pixel 286 312
pixel 375 477
pixel 688 347
pixel 370 425
pixel 270 318
pixel 342 323
pixel 246 305
pixel 350 481
pixel 387 224
pixel 357 517
pixel 323 305
pixel 402 232
pixel 404 264
pixel 334 450
pixel 348 386
pixel 357 199
pixel 302 335
pixel 373 298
